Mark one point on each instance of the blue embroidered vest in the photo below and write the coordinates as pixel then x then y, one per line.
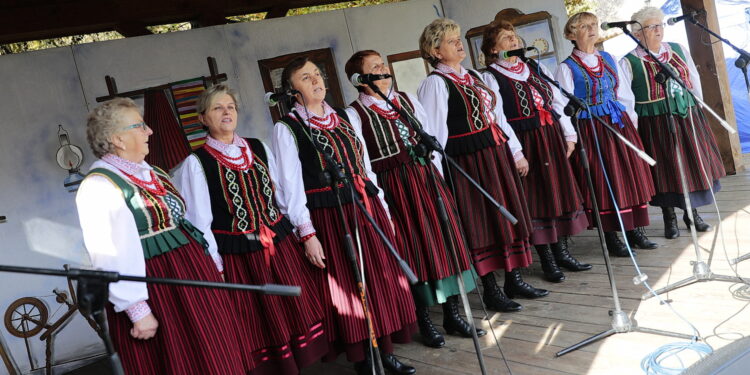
pixel 599 92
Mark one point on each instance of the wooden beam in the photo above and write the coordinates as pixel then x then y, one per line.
pixel 210 19
pixel 131 29
pixel 709 59
pixel 277 12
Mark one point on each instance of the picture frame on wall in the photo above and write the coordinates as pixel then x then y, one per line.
pixel 408 69
pixel 271 69
pixel 534 29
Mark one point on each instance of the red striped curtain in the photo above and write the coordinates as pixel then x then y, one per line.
pixel 168 145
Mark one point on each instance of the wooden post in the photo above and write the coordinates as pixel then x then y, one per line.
pixel 709 59
pixel 111 85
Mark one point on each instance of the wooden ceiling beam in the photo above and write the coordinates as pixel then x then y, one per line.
pixel 131 29
pixel 32 20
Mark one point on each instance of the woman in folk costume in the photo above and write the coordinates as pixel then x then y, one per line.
pixel 305 192
pixel 593 77
pixel 228 185
pixel 639 70
pixel 404 173
pixel 133 222
pixel 466 120
pixel 555 201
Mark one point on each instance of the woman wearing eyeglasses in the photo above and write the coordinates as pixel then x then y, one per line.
pixel 229 187
pixel 133 222
pixel 548 140
pixel 593 77
pixel 305 192
pixel 700 154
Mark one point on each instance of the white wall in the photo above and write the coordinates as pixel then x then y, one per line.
pixel 59 86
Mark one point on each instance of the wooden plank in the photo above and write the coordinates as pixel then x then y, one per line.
pixel 709 59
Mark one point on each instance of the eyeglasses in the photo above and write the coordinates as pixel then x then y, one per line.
pixel 655 26
pixel 141 125
pixel 586 26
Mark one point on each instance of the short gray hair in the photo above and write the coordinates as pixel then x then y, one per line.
pixel 646 13
pixel 432 35
pixel 208 95
pixel 104 121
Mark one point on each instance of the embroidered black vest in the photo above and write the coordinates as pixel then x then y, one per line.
pixel 342 144
pixel 242 202
pixel 389 142
pixel 468 128
pixel 518 100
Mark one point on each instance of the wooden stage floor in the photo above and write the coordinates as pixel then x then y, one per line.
pixel 578 307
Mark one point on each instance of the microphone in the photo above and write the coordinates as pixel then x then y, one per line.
pixel 366 79
pixel 272 99
pixel 674 20
pixel 620 24
pixel 520 52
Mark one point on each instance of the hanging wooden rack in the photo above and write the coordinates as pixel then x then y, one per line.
pixel 214 77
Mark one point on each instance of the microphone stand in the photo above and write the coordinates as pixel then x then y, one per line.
pixel 93 292
pixel 432 145
pixel 701 269
pixel 336 174
pixel 741 61
pixel 621 322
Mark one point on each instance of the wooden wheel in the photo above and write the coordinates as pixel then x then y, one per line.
pixel 25 317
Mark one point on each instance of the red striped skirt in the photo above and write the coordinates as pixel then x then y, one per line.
pixel 494 242
pixel 411 200
pixel 389 298
pixel 658 142
pixel 555 201
pixel 197 331
pixel 629 176
pixel 287 331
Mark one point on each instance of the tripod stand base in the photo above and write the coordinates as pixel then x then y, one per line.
pixel 621 323
pixel 701 273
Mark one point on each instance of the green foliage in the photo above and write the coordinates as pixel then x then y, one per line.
pixel 577 6
pixel 34 45
pixel 168 28
pixel 336 6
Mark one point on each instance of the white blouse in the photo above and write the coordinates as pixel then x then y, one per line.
pixel 419 113
pixel 110 233
pixel 627 71
pixel 190 180
pixel 565 77
pixel 433 94
pixel 567 126
pixel 290 190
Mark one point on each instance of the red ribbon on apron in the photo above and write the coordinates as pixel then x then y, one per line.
pixel 266 239
pixel 359 184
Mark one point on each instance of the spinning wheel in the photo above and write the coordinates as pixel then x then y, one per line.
pixel 26 317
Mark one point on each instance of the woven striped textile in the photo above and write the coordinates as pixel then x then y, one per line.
pixel 185 96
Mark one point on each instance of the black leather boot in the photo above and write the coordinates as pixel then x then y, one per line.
pixel 494 298
pixel 392 365
pixel 615 246
pixel 454 323
pixel 671 230
pixel 515 286
pixel 637 239
pixel 430 335
pixel 564 259
pixel 551 271
pixel 700 225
